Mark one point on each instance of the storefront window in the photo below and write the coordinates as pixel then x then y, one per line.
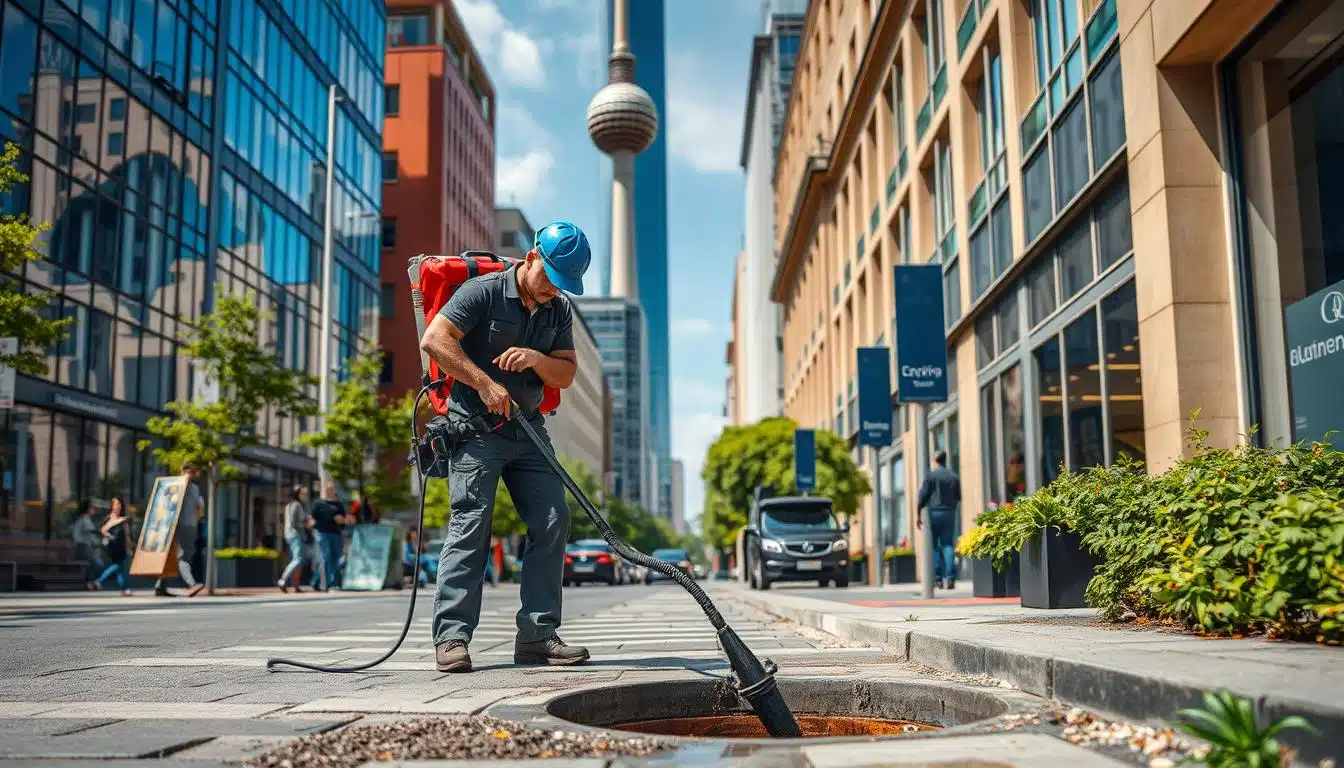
pixel 1289 116
pixel 989 430
pixel 1081 361
pixel 1124 384
pixel 1050 399
pixel 895 521
pixel 1014 439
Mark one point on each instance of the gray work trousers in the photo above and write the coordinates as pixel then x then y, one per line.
pixel 478 463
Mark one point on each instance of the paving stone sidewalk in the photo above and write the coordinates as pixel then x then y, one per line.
pixel 1132 671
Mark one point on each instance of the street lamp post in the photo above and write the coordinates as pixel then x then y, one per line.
pixel 324 330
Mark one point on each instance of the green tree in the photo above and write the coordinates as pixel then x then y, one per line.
pixel 762 455
pixel 22 316
pixel 361 428
pixel 225 348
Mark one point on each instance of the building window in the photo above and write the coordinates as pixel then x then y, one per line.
pixel 1041 286
pixel 933 38
pixel 387 304
pixel 389 233
pixel 86 113
pixel 1115 236
pixel 116 144
pixel 385 375
pixel 389 166
pixel 391 100
pixel 1070 145
pixel 116 109
pixel 1054 26
pixel 408 29
pixel 1036 193
pixel 990 99
pixel 1124 389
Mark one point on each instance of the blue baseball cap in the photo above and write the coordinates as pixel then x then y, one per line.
pixel 565 255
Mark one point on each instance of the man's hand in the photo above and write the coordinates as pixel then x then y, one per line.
pixel 919 522
pixel 496 399
pixel 517 359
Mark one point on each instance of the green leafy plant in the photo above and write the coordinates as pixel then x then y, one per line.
pixel 761 454
pixel 24 316
pixel 1227 723
pixel 236 553
pixel 226 347
pixel 363 427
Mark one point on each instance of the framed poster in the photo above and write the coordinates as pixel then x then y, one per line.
pixel 156 552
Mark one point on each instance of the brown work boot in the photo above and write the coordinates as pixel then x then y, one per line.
pixel 552 651
pixel 452 656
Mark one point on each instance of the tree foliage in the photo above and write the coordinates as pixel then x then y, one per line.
pixel 224 347
pixel 22 316
pixel 361 428
pixel 762 454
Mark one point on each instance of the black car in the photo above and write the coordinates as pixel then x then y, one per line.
pixel 677 557
pixel 590 560
pixel 796 538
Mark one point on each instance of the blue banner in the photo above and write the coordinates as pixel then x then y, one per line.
pixel 874 396
pixel 805 459
pixel 921 346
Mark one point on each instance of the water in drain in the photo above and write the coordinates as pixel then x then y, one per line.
pixel 747 726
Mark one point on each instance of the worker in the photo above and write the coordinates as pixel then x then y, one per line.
pixel 503 336
pixel 941 493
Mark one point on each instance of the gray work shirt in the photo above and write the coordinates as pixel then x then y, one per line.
pixel 492 318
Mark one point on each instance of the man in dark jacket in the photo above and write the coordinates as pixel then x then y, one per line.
pixel 941 493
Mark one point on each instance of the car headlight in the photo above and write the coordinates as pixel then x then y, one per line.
pixel 770 545
pixel 841 544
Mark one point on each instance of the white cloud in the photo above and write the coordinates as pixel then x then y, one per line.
pixel 692 435
pixel 523 179
pixel 705 112
pixel 692 327
pixel 506 49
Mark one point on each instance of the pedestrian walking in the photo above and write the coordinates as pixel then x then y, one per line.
pixel 189 522
pixel 941 493
pixel 504 337
pixel 88 542
pixel 298 537
pixel 116 534
pixel 328 517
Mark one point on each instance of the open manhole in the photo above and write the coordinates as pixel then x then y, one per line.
pixel 826 708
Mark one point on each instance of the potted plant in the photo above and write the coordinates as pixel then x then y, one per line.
pixel 986 581
pixel 1054 567
pixel 858 568
pixel 246 567
pixel 901 567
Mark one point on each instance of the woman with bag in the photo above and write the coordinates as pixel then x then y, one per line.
pixel 298 535
pixel 117 543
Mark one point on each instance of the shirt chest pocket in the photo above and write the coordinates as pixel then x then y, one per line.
pixel 503 334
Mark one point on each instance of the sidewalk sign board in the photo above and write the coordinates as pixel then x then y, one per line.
pixel 921 344
pixel 8 346
pixel 874 366
pixel 374 559
pixel 1314 331
pixel 156 552
pixel 805 459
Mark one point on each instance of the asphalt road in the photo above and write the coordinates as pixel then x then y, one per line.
pixel 41 636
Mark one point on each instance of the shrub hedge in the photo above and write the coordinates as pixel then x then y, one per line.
pixel 1229 541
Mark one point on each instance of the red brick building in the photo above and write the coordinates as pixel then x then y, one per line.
pixel 438 162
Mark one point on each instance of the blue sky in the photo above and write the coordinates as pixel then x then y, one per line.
pixel 544 59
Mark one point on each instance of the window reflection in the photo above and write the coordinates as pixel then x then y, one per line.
pixel 1081 358
pixel 1050 396
pixel 1124 382
pixel 1014 439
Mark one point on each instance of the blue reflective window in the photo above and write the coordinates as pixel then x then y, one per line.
pixel 142 33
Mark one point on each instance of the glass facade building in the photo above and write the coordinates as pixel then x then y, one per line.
pixel 618 327
pixel 176 147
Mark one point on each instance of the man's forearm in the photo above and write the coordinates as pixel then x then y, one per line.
pixel 555 371
pixel 448 353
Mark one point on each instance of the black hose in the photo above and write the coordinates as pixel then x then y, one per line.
pixel 271 664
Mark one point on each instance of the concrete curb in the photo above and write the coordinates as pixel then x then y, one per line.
pixel 1110 688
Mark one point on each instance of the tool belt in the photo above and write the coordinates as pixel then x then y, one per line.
pixel 433 451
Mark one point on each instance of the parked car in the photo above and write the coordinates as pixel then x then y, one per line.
pixel 677 557
pixel 795 538
pixel 590 560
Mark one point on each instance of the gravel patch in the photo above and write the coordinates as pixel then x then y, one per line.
pixel 453 738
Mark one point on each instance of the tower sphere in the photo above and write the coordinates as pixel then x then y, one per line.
pixel 622 118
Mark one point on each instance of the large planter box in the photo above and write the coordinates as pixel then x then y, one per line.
pixel 245 572
pixel 987 582
pixel 901 569
pixel 858 571
pixel 1055 570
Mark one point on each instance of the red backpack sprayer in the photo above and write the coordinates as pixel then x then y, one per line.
pixel 434 279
